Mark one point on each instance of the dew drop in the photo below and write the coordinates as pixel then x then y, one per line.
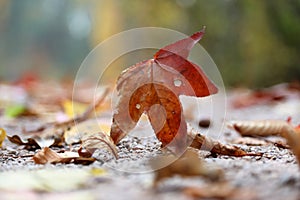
pixel 138 106
pixel 177 82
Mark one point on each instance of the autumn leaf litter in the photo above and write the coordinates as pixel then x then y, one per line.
pixel 268 170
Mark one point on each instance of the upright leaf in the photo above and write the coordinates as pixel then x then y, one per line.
pixel 153 87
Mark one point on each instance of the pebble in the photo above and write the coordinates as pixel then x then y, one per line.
pixel 204 123
pixel 287 179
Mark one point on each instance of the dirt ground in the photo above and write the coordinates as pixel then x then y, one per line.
pixel 275 175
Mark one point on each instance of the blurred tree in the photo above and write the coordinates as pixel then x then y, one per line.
pixel 36 37
pixel 254 43
pixel 248 42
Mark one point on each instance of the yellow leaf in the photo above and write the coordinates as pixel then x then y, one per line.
pixel 98 171
pixel 75 133
pixel 2 136
pixel 72 108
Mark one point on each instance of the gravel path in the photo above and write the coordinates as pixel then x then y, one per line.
pixel 274 176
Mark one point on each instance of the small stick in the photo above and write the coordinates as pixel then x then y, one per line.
pixel 202 142
pixel 77 119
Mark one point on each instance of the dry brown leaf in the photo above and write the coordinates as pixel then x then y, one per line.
pixel 274 94
pixel 32 143
pixel 292 136
pixel 219 191
pixel 202 142
pixel 273 127
pixel 100 140
pixel 250 141
pixel 260 127
pixel 189 164
pixel 215 191
pixel 46 155
pixel 257 98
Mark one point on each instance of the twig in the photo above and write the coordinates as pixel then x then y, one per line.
pixel 75 120
pixel 202 142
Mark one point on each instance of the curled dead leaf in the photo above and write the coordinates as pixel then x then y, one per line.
pixel 46 155
pixel 250 141
pixel 272 127
pixel 32 143
pixel 292 136
pixel 260 127
pixel 100 140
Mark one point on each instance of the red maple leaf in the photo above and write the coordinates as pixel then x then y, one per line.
pixel 153 87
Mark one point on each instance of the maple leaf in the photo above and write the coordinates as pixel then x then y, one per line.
pixel 153 87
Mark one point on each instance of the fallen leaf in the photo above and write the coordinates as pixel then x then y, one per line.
pixel 153 87
pixel 72 108
pixel 202 142
pixel 272 127
pixel 274 94
pixel 14 110
pixel 292 136
pixel 32 143
pixel 46 155
pixel 219 191
pixel 250 141
pixel 188 165
pixel 96 172
pixel 257 98
pixel 260 127
pixel 19 110
pixel 88 127
pixel 100 140
pixel 2 136
pixel 214 191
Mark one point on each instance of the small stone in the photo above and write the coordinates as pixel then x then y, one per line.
pixel 287 179
pixel 204 123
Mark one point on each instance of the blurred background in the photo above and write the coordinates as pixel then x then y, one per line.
pixel 254 43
